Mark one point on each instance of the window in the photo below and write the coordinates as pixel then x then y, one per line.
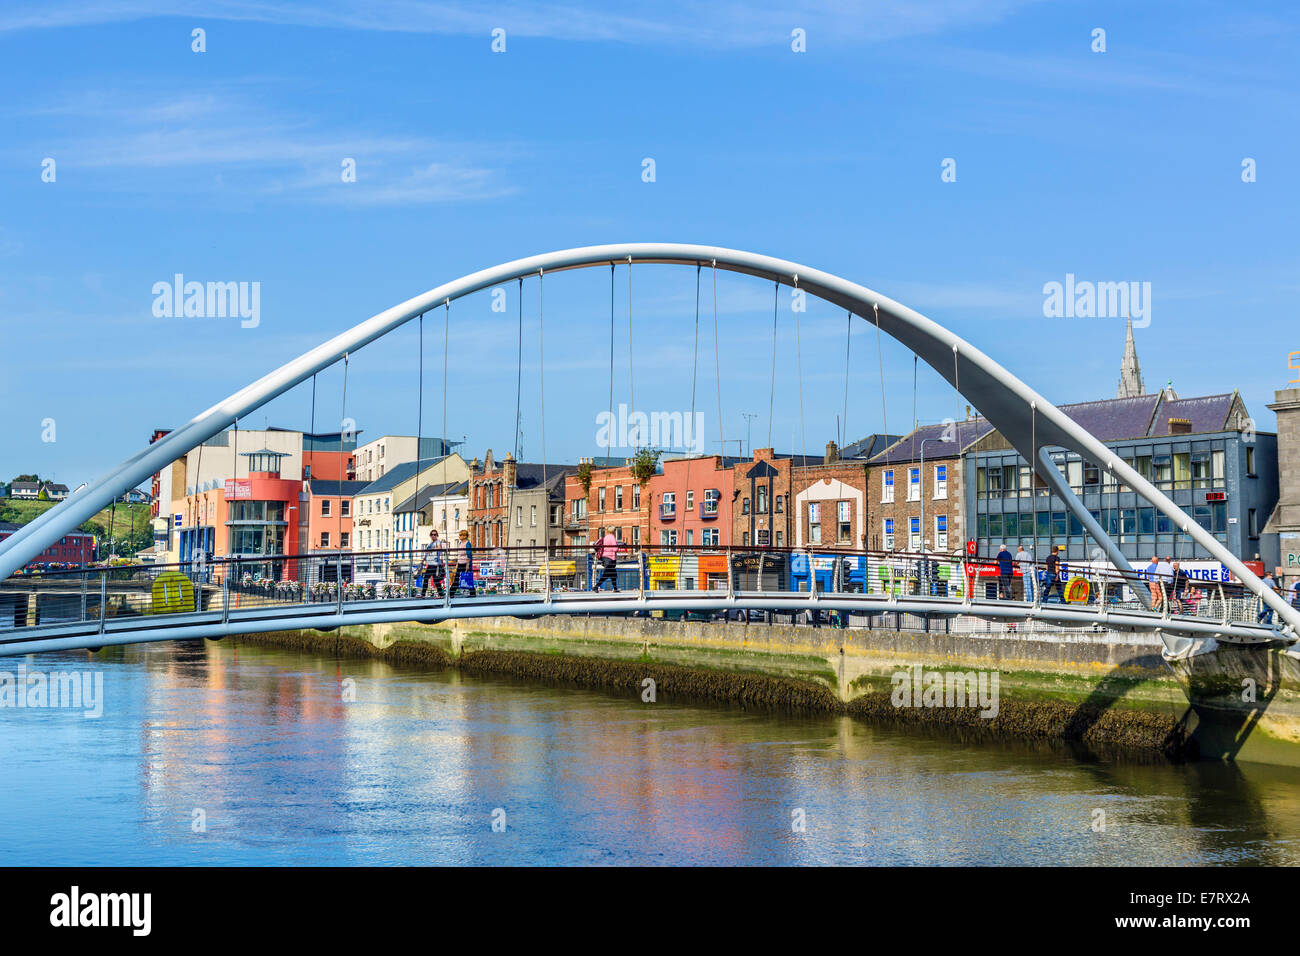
pixel 780 539
pixel 343 539
pixel 914 534
pixel 600 499
pixel 844 523
pixel 324 539
pixel 940 481
pixel 889 534
pixel 1250 460
pixel 814 523
pixel 668 538
pixel 744 538
pixel 1252 522
pixel 709 537
pixel 1200 469
pixel 744 506
pixel 618 497
pixel 780 504
pixel 345 508
pixel 941 532
pixel 887 492
pixel 690 500
pixel 669 506
pixel 636 497
pixel 519 516
pixel 711 496
pixel 690 536
pixel 760 500
pixel 914 484
pixel 636 534
pixel 532 516
pixel 1074 474
pixel 325 507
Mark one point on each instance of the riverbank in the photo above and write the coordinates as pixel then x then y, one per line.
pixel 1104 691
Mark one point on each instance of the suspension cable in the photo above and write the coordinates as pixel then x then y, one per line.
pixel 519 381
pixel 848 344
pixel 446 332
pixel 610 442
pixel 541 382
pixel 342 428
pixel 916 361
pixel 695 364
pixel 717 366
pixel 419 415
pixel 798 351
pixel 631 385
pixel 771 394
pixel 880 359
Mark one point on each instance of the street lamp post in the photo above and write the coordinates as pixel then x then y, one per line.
pixel 925 564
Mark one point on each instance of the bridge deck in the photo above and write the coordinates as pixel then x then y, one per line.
pixel 228 620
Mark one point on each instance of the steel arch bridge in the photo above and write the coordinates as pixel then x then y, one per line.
pixel 1028 421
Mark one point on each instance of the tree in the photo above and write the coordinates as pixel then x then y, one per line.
pixel 645 464
pixel 28 478
pixel 584 477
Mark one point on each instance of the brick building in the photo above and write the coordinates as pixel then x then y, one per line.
pixel 916 489
pixel 519 504
pixel 74 548
pixel 690 502
pixel 762 506
pixel 830 503
pixel 615 501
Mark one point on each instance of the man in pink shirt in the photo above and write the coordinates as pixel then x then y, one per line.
pixel 607 556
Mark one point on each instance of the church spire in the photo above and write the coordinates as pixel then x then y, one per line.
pixel 1130 373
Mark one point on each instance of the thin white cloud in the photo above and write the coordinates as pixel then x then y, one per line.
pixel 673 22
pixel 260 152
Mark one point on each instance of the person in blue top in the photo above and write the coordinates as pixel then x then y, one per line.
pixel 1005 564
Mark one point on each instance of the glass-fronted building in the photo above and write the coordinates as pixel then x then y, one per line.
pixel 1202 452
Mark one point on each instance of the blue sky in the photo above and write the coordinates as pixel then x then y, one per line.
pixel 225 166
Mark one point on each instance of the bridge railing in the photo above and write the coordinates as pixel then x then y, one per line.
pixel 225 584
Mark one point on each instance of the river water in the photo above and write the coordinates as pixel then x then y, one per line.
pixel 223 753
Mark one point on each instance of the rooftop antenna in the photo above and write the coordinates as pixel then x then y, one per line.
pixel 749 427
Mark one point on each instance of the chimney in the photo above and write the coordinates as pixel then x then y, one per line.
pixel 510 469
pixel 832 453
pixel 763 454
pixel 1180 426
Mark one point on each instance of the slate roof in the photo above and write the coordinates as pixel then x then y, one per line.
pixel 908 448
pixel 1114 419
pixel 1207 414
pixel 429 492
pixel 869 446
pixel 396 475
pixel 328 486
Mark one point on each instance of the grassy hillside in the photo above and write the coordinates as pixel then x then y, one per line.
pixel 128 517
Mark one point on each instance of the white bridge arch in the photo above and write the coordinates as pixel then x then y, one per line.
pixel 1027 420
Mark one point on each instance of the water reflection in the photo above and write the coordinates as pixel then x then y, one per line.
pixel 284 769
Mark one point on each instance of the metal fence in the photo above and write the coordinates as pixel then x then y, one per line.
pixel 98 593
